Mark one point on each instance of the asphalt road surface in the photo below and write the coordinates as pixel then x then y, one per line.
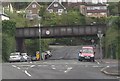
pixel 62 65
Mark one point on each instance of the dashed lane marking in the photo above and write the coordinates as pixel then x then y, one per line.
pixel 53 68
pixel 32 66
pixel 18 67
pixel 27 73
pixel 14 66
pixel 96 66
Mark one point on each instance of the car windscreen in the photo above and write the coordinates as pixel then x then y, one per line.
pixel 14 54
pixel 87 50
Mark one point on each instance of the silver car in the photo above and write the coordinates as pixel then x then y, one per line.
pixel 14 57
pixel 24 56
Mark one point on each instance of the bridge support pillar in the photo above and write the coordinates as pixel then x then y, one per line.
pixel 20 45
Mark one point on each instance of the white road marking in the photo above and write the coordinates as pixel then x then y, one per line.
pixel 53 68
pixel 97 62
pixel 68 69
pixel 118 77
pixel 14 66
pixel 27 73
pixel 18 67
pixel 105 68
pixel 96 66
pixel 32 66
pixel 108 66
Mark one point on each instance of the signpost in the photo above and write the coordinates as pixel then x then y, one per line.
pixel 100 35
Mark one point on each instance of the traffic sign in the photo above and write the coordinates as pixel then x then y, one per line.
pixel 47 32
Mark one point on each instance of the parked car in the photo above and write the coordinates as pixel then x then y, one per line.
pixel 15 57
pixel 33 58
pixel 48 53
pixel 87 53
pixel 24 56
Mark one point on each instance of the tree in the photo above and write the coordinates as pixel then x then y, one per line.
pixel 8 39
pixel 69 18
pixel 8 27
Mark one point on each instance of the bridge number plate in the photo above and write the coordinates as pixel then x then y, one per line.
pixel 47 32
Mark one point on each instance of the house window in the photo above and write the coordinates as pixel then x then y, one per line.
pixel 60 10
pixel 96 8
pixel 55 5
pixel 50 10
pixel 88 8
pixel 29 11
pixel 34 6
pixel 103 7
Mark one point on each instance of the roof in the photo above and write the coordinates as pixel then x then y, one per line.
pixel 4 14
pixel 31 3
pixel 53 2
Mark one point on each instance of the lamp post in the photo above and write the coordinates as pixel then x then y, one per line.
pixel 39 30
pixel 100 35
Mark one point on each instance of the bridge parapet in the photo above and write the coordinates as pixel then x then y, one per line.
pixel 59 31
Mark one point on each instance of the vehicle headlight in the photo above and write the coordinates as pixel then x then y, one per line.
pixel 92 55
pixel 81 55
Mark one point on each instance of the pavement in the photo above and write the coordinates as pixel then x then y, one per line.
pixel 110 70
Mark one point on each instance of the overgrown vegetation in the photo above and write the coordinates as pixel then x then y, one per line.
pixel 111 39
pixel 8 38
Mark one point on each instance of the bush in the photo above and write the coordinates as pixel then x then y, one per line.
pixel 8 46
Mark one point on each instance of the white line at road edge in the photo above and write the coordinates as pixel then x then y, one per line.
pixel 27 73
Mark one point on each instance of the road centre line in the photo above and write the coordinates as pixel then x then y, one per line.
pixel 14 66
pixel 27 73
pixel 32 66
pixel 18 67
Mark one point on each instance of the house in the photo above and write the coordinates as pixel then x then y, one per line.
pixel 4 17
pixel 32 10
pixel 56 7
pixel 94 10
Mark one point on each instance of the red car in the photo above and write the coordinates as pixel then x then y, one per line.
pixel 87 53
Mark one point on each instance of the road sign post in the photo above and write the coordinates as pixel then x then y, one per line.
pixel 100 35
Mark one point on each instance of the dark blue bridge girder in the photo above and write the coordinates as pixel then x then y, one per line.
pixel 60 31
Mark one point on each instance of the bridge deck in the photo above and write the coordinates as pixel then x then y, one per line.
pixel 59 31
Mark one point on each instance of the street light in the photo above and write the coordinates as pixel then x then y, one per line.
pixel 100 35
pixel 39 30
